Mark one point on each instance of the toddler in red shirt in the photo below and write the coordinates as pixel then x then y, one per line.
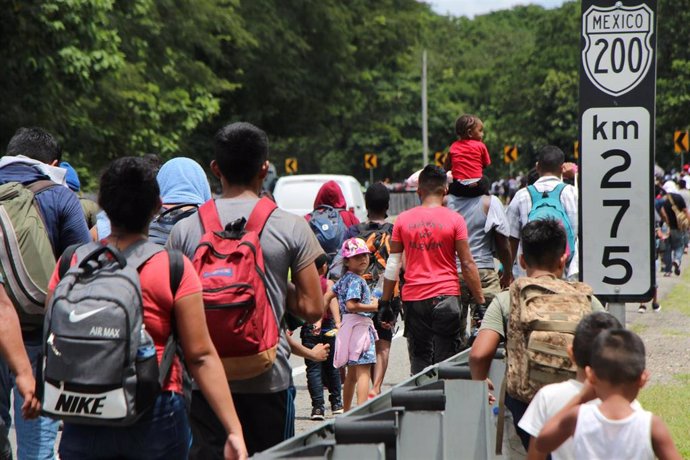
pixel 467 158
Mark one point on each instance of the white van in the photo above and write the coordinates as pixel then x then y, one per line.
pixel 296 194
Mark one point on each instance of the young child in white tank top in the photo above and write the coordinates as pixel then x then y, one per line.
pixel 613 430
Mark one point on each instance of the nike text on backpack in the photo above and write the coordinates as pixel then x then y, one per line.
pixel 329 228
pixel 681 219
pixel 547 205
pixel 100 365
pixel 26 258
pixel 162 224
pixel 544 313
pixel 240 319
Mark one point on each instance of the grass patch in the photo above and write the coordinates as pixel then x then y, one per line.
pixel 667 401
pixel 677 300
pixel 637 328
pixel 674 333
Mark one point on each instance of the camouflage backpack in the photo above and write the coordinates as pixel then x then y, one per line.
pixel 543 316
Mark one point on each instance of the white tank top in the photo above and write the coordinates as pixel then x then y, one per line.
pixel 597 437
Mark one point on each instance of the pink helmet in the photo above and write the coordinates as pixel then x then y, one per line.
pixel 353 247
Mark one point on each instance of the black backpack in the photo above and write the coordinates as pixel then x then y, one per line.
pixel 162 224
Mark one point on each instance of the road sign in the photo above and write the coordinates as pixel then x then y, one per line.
pixel 371 161
pixel 680 141
pixel 440 158
pixel 510 153
pixel 576 149
pixel 617 100
pixel 290 165
pixel 618 50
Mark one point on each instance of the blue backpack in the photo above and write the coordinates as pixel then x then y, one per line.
pixel 547 205
pixel 329 228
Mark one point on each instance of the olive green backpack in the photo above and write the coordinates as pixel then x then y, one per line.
pixel 26 257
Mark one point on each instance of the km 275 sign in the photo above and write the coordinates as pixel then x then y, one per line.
pixel 618 51
pixel 617 100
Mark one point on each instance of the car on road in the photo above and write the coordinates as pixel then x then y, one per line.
pixel 296 194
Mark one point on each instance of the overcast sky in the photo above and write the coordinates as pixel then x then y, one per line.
pixel 473 7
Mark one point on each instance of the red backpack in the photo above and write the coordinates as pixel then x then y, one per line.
pixel 239 315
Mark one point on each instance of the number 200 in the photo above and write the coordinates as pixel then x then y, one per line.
pixel 618 55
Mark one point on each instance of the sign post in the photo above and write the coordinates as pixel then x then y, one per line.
pixel 617 120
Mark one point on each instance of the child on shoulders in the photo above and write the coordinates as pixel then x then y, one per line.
pixel 467 157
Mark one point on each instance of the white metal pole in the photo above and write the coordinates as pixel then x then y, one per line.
pixel 425 125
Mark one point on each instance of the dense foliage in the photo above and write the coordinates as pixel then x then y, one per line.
pixel 328 80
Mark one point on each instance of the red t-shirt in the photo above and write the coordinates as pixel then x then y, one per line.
pixel 158 305
pixel 468 158
pixel 428 236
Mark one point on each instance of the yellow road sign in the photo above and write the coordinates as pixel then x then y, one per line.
pixel 440 158
pixel 510 153
pixel 291 165
pixel 680 141
pixel 371 161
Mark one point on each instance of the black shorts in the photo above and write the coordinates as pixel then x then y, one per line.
pixel 384 334
pixel 458 189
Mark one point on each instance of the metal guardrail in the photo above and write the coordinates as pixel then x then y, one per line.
pixel 440 413
pixel 402 201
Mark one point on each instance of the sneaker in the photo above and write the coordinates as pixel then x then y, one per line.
pixel 676 268
pixel 656 308
pixel 642 308
pixel 317 413
pixel 337 409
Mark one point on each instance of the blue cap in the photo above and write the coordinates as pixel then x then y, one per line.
pixel 71 177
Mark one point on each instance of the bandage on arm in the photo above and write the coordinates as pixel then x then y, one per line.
pixel 393 266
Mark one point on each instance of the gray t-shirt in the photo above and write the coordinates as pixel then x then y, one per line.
pixel 287 243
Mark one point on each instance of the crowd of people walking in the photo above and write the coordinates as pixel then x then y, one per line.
pixel 199 297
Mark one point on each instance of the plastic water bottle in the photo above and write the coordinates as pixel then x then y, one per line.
pixel 494 412
pixel 378 289
pixel 146 349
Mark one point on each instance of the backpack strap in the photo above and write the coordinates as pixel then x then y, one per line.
pixel 260 214
pixel 175 208
pixel 176 269
pixel 208 213
pixel 66 259
pixel 172 346
pixel 558 190
pixel 40 185
pixel 534 194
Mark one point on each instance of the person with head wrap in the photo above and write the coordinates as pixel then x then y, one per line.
pixel 184 187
